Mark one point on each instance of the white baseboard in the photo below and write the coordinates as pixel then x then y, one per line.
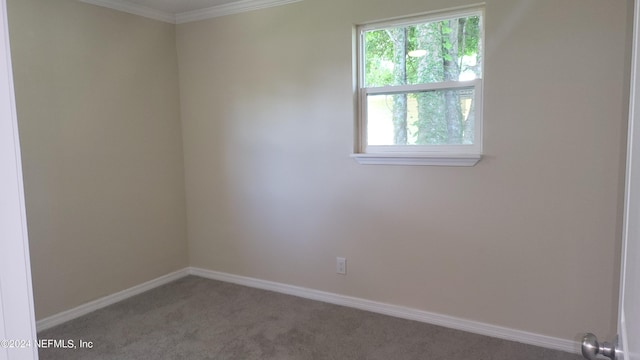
pixel 332 298
pixel 86 308
pixel 396 311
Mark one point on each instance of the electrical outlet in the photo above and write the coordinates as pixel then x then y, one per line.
pixel 341 265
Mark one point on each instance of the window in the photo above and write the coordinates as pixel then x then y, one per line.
pixel 420 90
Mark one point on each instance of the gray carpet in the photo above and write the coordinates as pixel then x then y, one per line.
pixel 196 318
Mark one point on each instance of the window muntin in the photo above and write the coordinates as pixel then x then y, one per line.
pixel 420 84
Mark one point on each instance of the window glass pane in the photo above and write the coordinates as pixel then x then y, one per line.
pixel 447 50
pixel 439 117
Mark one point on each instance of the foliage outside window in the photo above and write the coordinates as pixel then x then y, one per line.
pixel 420 89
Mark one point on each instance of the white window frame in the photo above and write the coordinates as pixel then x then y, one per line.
pixel 444 155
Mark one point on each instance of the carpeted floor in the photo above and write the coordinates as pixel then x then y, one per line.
pixel 196 318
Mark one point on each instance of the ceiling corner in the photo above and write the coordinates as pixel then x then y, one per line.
pixel 229 9
pixel 131 8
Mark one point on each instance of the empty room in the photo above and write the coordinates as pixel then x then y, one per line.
pixel 322 179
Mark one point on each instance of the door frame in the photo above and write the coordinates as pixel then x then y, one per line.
pixel 629 317
pixel 17 317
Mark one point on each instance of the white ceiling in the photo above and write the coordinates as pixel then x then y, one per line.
pixel 182 11
pixel 179 6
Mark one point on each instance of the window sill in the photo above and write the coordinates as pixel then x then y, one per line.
pixel 418 159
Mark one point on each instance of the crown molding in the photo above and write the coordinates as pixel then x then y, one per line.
pixel 228 9
pixel 189 16
pixel 131 8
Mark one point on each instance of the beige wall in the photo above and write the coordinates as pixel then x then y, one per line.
pixel 526 239
pixel 98 109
